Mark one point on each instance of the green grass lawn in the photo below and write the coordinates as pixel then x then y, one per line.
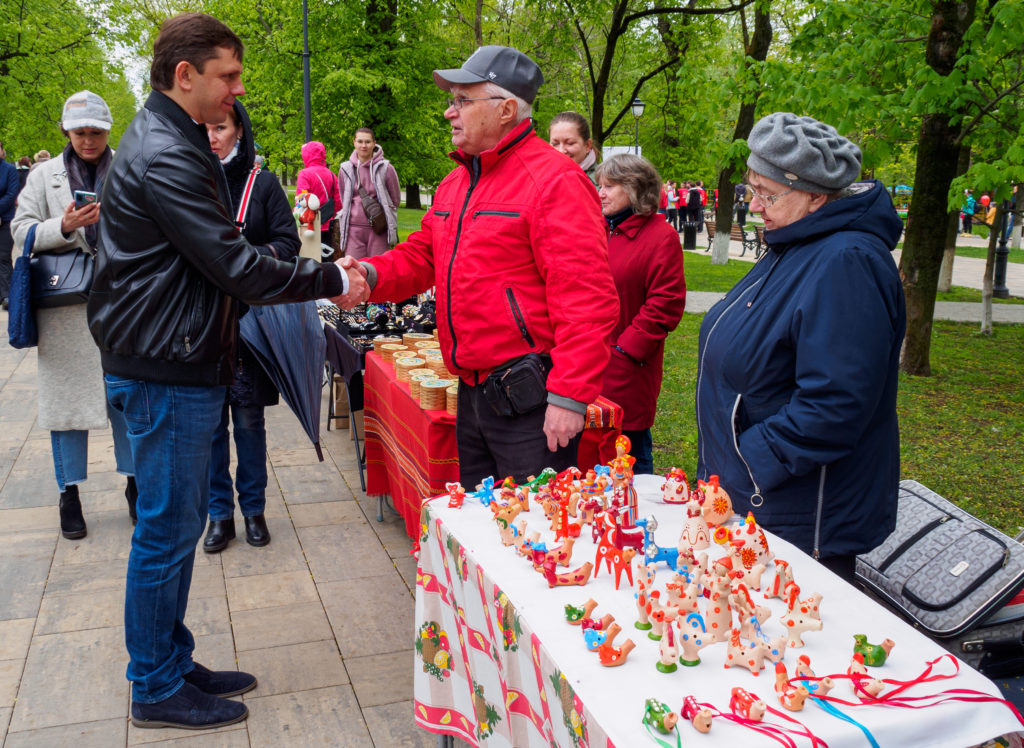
pixel 1016 255
pixel 962 429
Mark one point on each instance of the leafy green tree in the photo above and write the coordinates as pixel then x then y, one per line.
pixel 49 49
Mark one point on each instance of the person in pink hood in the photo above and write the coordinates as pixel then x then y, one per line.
pixel 320 180
pixel 378 178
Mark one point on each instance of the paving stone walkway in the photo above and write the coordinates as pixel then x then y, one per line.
pixel 323 615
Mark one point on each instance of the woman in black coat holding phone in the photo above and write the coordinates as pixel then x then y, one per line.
pixel 269 226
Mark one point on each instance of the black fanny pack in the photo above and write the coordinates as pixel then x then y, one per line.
pixel 518 386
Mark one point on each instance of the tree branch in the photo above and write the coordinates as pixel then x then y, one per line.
pixel 965 131
pixel 636 90
pixel 657 11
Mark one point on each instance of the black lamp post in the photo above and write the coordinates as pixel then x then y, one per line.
pixel 637 108
pixel 999 289
pixel 305 69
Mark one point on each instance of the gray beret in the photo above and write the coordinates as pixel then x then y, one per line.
pixel 803 153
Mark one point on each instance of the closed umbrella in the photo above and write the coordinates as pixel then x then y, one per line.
pixel 288 341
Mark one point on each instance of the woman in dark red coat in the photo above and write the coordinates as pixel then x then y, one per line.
pixel 647 265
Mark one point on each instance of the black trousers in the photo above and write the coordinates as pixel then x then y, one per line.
pixel 500 446
pixel 6 264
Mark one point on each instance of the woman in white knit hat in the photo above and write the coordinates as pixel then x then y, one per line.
pixel 72 397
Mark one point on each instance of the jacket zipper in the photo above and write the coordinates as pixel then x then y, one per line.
pixel 507 213
pixel 518 314
pixel 474 177
pixel 700 366
pixel 736 445
pixel 817 515
pixel 442 213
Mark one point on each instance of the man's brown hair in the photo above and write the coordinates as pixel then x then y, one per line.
pixel 192 37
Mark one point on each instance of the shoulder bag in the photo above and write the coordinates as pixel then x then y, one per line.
pixel 21 321
pixel 61 278
pixel 373 211
pixel 327 210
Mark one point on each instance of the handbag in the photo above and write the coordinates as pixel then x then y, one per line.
pixel 21 321
pixel 519 386
pixel 373 211
pixel 61 278
pixel 327 209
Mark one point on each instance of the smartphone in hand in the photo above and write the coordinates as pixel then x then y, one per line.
pixel 83 198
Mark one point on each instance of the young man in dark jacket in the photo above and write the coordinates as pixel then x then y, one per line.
pixel 516 246
pixel 170 269
pixel 10 185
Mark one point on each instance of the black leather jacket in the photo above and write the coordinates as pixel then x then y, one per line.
pixel 171 263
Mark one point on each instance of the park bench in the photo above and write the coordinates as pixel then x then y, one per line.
pixel 754 243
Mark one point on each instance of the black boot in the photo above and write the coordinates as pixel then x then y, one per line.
pixel 131 494
pixel 220 532
pixel 72 523
pixel 256 531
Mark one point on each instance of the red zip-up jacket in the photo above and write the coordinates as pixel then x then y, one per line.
pixel 517 249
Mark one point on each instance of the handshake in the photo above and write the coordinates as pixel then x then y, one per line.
pixel 358 289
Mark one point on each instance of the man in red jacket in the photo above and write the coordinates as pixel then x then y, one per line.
pixel 515 245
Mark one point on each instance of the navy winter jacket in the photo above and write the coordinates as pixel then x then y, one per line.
pixel 10 186
pixel 797 377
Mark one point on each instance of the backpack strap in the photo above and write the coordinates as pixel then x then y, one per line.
pixel 243 204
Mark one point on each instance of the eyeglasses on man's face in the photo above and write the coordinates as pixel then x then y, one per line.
pixel 460 101
pixel 768 200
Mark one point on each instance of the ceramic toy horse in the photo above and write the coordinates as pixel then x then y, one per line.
pixel 750 656
pixel 653 553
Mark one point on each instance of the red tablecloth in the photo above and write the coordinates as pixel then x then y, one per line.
pixel 411 452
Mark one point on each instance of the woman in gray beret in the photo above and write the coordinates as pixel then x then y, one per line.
pixel 796 386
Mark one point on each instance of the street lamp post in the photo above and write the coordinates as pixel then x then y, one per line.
pixel 637 107
pixel 305 69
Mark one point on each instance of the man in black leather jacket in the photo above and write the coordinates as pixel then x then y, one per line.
pixel 170 269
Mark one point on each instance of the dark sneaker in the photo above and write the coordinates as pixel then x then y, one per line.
pixel 190 709
pixel 72 523
pixel 220 682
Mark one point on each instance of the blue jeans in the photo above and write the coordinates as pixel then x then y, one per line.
pixel 71 452
pixel 170 428
pixel 251 472
pixel 642 448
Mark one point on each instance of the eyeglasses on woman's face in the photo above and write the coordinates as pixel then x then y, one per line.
pixel 768 200
pixel 460 101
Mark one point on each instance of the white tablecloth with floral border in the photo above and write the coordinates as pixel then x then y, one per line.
pixel 496 664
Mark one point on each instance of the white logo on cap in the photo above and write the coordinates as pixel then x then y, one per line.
pixel 492 76
pixel 790 176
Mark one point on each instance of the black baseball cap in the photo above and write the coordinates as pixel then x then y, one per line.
pixel 504 66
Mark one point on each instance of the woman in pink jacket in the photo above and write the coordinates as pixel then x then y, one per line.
pixel 320 180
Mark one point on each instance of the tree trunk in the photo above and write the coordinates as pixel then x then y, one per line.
pixel 412 196
pixel 953 230
pixel 756 49
pixel 990 269
pixel 937 155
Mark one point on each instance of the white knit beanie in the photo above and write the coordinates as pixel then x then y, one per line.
pixel 86 109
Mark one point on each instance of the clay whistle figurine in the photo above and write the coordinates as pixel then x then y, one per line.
pixel 797 623
pixel 699 716
pixel 791 695
pixel 579 576
pixel 644 582
pixel 675 489
pixel 668 649
pixel 863 685
pixel 783 577
pixel 874 654
pixel 600 624
pixel 692 639
pixel 611 655
pixel 717 506
pixel 750 656
pixel 658 614
pixel 545 477
pixel 659 717
pixel 750 543
pixel 456 494
pixel 804 672
pixel 695 534
pixel 746 704
pixel 485 494
pixel 574 616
